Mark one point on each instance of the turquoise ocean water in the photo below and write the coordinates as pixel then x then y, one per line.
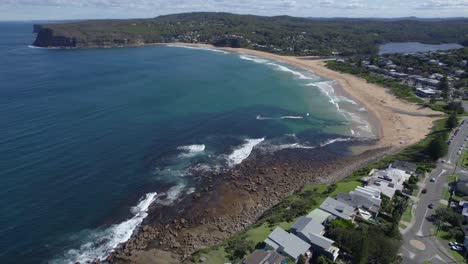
pixel 88 138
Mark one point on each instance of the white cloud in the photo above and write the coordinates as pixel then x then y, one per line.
pixel 308 8
pixel 444 4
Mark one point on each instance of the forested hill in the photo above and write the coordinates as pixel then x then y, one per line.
pixel 280 34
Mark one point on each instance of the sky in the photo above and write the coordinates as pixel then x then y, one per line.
pixel 96 9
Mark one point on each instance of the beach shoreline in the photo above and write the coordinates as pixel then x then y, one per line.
pixel 399 123
pixel 236 199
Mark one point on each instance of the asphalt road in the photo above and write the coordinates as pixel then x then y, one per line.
pixel 419 241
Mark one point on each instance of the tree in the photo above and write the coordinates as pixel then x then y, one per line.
pixel 323 260
pixel 444 87
pixel 452 121
pixel 438 147
pixel 449 216
pixel 301 259
pixel 238 248
pixel 455 106
pixel 432 100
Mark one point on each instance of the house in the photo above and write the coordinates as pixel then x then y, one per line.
pixel 408 167
pixel 366 204
pixel 390 180
pixel 263 257
pixel 287 244
pixel 425 92
pixel 337 208
pixel 320 216
pixel 462 184
pixel 465 243
pixel 312 232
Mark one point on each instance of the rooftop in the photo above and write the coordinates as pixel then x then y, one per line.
pixel 288 243
pixel 319 215
pixel 337 208
pixel 263 257
pixel 307 225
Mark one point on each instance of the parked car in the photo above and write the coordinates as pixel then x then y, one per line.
pixel 433 179
pixel 459 152
pixel 424 190
pixel 431 206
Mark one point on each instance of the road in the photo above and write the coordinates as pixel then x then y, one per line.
pixel 419 243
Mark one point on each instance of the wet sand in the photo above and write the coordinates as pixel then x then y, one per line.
pixel 230 202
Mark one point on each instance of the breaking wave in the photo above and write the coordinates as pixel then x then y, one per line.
pixel 243 152
pixel 276 66
pixel 259 117
pixel 191 150
pixel 103 242
pixel 198 48
pixel 331 141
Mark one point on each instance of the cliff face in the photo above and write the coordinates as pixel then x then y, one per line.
pixel 47 38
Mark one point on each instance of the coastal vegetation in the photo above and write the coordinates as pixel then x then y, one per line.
pixel 281 34
pixel 396 87
pixel 354 240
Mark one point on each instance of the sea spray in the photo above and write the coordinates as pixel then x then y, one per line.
pixel 102 242
pixel 243 152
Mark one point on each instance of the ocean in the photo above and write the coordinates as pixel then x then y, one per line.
pixel 90 138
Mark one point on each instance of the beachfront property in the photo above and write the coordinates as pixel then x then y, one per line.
pixel 388 181
pixel 426 92
pixel 365 200
pixel 338 209
pixel 320 216
pixel 408 167
pixel 312 232
pixel 287 244
pixel 264 257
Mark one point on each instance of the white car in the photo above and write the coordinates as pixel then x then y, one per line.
pixel 459 152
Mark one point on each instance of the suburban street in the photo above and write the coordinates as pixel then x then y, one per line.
pixel 419 241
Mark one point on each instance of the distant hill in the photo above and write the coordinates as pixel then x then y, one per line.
pixel 280 34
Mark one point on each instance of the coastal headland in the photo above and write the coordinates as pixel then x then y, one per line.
pixel 229 202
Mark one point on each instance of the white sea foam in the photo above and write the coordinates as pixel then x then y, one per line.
pixel 198 48
pixel 346 99
pixel 190 190
pixel 277 66
pixel 331 141
pixel 172 194
pixel 293 72
pixel 253 58
pixel 293 146
pixel 243 152
pixel 191 150
pixel 327 89
pixel 103 242
pixel 259 117
pixel 35 47
pixel 362 109
pixel 291 117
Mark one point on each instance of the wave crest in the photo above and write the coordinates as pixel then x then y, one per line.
pixel 243 152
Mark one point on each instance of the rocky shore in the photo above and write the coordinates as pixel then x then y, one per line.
pixel 228 203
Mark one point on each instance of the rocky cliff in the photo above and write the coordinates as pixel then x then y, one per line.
pixel 47 38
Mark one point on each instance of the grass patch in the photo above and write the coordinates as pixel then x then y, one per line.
pixel 445 237
pixel 407 213
pixel 464 159
pixel 299 204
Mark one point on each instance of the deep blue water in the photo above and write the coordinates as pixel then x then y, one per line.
pixel 85 134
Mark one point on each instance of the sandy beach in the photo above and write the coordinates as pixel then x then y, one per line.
pixel 400 123
pixel 237 198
